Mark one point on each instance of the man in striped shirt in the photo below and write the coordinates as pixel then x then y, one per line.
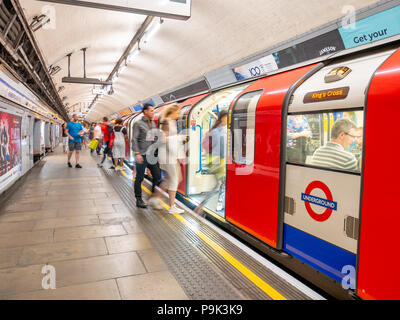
pixel 334 155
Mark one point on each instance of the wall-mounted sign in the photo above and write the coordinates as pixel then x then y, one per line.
pixel 10 160
pixel 255 68
pixel 174 9
pixel 327 95
pixel 379 26
pixel 136 108
pixel 124 112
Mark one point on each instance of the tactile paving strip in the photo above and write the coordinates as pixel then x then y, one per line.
pixel 185 236
pixel 197 276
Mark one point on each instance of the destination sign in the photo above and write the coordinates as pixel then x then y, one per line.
pixel 327 95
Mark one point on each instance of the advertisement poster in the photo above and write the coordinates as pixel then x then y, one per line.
pixel 380 26
pixel 10 148
pixel 322 45
pixel 255 68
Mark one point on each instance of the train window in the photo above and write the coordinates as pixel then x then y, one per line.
pixel 328 140
pixel 182 121
pixel 243 128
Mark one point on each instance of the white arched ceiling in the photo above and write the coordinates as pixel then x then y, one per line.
pixel 218 33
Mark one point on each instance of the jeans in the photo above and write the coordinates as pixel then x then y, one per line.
pixel 140 171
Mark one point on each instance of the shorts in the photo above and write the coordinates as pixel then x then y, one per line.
pixel 75 146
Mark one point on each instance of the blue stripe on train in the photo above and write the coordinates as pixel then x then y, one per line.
pixel 319 254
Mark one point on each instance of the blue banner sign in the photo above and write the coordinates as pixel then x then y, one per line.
pixel 379 26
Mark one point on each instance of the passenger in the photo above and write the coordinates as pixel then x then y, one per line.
pixel 216 140
pixel 143 138
pixel 64 138
pixel 170 153
pixel 107 130
pixel 85 136
pixel 91 129
pixel 360 143
pixel 97 136
pixel 333 154
pixel 298 131
pixel 74 131
pixel 118 150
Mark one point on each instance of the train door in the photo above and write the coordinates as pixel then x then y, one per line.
pixel 183 126
pixel 26 132
pixel 253 172
pixel 200 179
pixel 38 140
pixel 324 147
pixel 47 137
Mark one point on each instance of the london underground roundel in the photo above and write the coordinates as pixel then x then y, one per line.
pixel 326 202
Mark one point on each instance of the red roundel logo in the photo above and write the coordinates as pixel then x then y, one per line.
pixel 326 202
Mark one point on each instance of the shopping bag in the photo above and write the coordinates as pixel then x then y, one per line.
pixel 93 144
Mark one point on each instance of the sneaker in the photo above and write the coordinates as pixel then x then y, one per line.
pixel 175 210
pixel 140 203
pixel 155 203
pixel 69 164
pixel 112 168
pixel 78 166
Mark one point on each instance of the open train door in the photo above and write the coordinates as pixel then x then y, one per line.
pixel 253 171
pixel 184 125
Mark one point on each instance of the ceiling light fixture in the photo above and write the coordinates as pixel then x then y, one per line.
pixel 39 21
pixel 153 29
pixel 132 55
pixel 54 70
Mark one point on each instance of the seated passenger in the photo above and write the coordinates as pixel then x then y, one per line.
pixel 298 132
pixel 333 154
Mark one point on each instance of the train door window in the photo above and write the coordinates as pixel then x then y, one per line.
pixel 331 140
pixel 182 121
pixel 243 127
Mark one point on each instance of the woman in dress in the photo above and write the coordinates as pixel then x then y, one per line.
pixel 169 153
pixel 118 150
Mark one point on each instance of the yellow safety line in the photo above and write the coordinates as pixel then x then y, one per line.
pixel 207 210
pixel 227 256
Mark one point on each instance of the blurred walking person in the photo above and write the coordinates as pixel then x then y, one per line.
pixel 170 152
pixel 215 144
pixel 118 150
pixel 97 136
pixel 107 131
pixel 64 138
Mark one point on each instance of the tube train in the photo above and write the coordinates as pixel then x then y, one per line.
pixel 335 227
pixel 29 130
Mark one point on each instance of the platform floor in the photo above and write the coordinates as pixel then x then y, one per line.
pixel 74 220
pixel 85 224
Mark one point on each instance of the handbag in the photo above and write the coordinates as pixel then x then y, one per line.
pixel 93 144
